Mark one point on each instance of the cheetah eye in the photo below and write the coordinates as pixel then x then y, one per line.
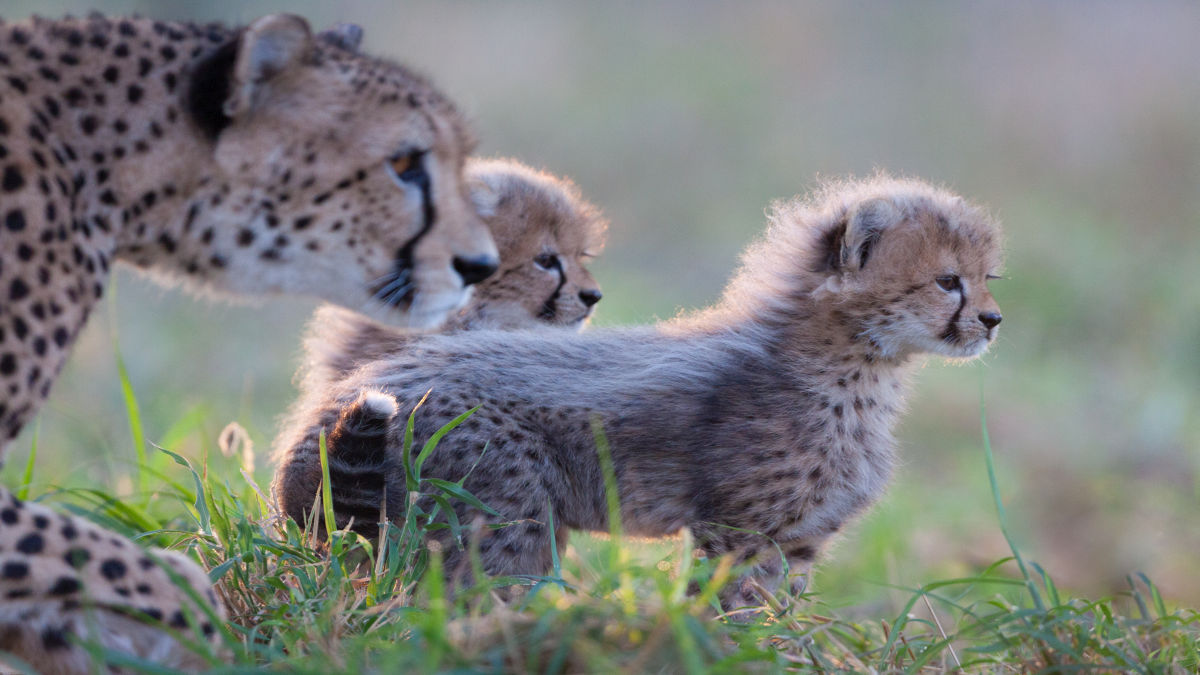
pixel 546 261
pixel 407 167
pixel 948 282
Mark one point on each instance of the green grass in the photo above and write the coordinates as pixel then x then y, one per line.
pixel 609 604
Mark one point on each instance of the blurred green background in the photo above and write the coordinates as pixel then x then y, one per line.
pixel 1078 123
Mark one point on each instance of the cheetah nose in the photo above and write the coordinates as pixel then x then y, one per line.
pixel 475 270
pixel 990 319
pixel 590 296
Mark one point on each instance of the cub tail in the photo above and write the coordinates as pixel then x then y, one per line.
pixel 360 458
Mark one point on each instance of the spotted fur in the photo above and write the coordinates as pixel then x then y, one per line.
pixel 766 418
pixel 256 160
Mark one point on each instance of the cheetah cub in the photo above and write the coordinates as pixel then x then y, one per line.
pixel 547 234
pixel 764 419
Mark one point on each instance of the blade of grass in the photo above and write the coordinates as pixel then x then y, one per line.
pixel 134 414
pixel 27 476
pixel 611 494
pixel 437 436
pixel 327 496
pixel 201 503
pixel 1001 516
pixel 412 475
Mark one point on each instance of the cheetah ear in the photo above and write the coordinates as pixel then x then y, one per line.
pixel 485 195
pixel 864 225
pixel 268 47
pixel 346 36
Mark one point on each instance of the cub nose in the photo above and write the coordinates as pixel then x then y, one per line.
pixel 990 319
pixel 475 270
pixel 590 296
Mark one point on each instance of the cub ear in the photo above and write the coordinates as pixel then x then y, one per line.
pixel 269 47
pixel 485 196
pixel 864 225
pixel 347 36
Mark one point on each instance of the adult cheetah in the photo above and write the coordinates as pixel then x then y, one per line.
pixel 765 420
pixel 255 160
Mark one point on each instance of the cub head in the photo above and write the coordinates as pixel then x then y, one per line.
pixel 547 235
pixel 340 176
pixel 911 263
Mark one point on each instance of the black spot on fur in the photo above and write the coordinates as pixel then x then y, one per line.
pixel 31 544
pixel 65 586
pixel 15 570
pixel 18 290
pixel 15 220
pixel 54 638
pixel 12 180
pixel 113 569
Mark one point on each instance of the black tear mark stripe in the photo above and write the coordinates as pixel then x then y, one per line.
pixel 550 306
pixel 951 332
pixel 404 257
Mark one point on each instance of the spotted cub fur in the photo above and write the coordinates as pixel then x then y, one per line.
pixel 251 161
pixel 767 418
pixel 546 233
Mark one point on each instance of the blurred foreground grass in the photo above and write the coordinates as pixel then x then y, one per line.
pixel 608 605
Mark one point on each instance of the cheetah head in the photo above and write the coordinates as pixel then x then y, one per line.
pixel 913 264
pixel 344 173
pixel 548 234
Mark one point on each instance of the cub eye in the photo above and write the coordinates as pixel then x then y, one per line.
pixel 407 167
pixel 546 261
pixel 948 282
